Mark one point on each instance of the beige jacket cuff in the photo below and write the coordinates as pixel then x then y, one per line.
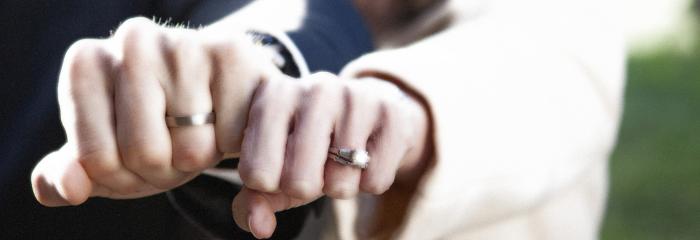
pixel 514 121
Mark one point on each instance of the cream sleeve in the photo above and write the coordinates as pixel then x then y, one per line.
pixel 523 99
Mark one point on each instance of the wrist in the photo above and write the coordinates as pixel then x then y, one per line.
pixel 416 114
pixel 419 152
pixel 273 47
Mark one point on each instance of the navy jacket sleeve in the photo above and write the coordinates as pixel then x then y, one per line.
pixel 332 34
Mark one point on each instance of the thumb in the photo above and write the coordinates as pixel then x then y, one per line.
pixel 254 211
pixel 57 180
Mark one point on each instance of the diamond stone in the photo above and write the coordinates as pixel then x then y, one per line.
pixel 360 157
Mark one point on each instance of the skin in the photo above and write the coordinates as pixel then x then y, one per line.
pixel 114 94
pixel 293 123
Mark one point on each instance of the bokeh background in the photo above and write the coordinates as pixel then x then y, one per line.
pixel 655 169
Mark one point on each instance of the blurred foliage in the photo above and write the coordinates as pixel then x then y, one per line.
pixel 655 169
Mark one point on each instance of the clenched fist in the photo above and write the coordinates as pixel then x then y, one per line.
pixel 293 124
pixel 114 95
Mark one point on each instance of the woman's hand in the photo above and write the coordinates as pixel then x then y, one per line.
pixel 114 95
pixel 293 123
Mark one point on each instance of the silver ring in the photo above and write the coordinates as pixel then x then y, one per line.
pixel 349 157
pixel 192 120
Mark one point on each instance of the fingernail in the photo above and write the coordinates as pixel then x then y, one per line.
pixel 260 224
pixel 251 224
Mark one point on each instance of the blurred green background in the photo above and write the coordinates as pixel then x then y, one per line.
pixel 655 169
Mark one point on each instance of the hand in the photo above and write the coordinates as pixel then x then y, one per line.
pixel 115 93
pixel 292 123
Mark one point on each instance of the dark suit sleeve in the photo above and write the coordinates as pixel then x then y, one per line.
pixel 332 34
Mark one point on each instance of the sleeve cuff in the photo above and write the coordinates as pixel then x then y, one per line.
pixel 332 34
pixel 294 51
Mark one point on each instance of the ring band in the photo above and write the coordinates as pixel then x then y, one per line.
pixel 192 120
pixel 349 157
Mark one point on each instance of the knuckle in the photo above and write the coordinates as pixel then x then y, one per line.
pixel 99 163
pixel 226 48
pixel 320 97
pixel 192 159
pixel 351 91
pixel 324 76
pixel 258 179
pixel 143 158
pixel 184 46
pixel 187 45
pixel 135 26
pixel 302 189
pixel 135 35
pixel 83 60
pixel 84 51
pixel 268 107
pixel 103 165
pixel 340 191
pixel 320 88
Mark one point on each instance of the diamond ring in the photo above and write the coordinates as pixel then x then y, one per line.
pixel 349 157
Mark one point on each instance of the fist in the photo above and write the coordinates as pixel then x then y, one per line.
pixel 114 95
pixel 293 124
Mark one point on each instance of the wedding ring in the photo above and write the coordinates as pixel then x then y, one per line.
pixel 192 120
pixel 349 157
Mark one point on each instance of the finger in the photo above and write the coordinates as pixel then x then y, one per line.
pixel 142 136
pixel 187 93
pixel 263 149
pixel 352 130
pixel 235 75
pixel 58 182
pixel 387 147
pixel 307 147
pixel 254 211
pixel 85 96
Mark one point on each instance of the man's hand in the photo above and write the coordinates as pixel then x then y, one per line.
pixel 114 95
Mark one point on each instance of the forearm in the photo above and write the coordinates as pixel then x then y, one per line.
pixel 520 134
